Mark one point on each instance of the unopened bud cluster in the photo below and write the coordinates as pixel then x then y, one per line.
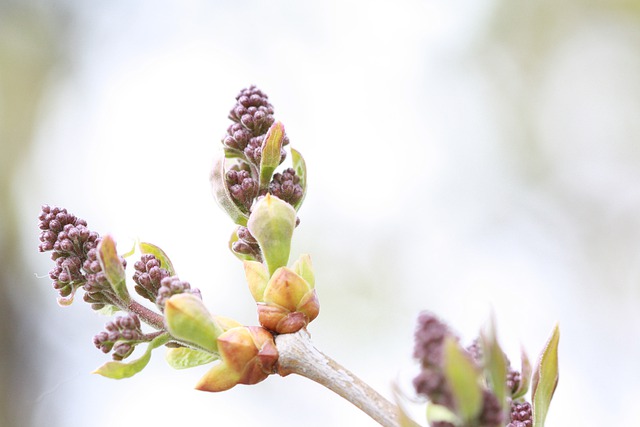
pixel 120 335
pixel 73 248
pixel 433 382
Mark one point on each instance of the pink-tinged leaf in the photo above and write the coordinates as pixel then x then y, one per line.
pixel 545 379
pixel 112 267
pixel 119 370
pixel 165 262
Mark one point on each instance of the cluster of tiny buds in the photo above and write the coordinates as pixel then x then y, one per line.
pixel 286 186
pixel 521 415
pixel 246 244
pixel 120 335
pixel 170 286
pixel 243 188
pixel 253 110
pixel 430 336
pixel 252 116
pixel 73 248
pixel 148 277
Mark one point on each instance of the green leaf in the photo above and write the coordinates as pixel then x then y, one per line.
pixel 119 370
pixel 464 379
pixel 439 413
pixel 272 222
pixel 112 267
pixel 525 376
pixel 271 148
pixel 221 192
pixel 300 167
pixel 188 319
pixel 165 262
pixel 184 357
pixel 495 363
pixel 545 379
pixel 304 268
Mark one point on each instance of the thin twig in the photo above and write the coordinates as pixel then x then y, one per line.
pixel 297 355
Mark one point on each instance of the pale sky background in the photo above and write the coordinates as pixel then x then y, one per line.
pixel 465 157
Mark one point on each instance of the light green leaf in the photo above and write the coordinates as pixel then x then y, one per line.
pixel 184 357
pixel 545 379
pixel 495 362
pixel 112 267
pixel 525 376
pixel 271 148
pixel 165 262
pixel 300 167
pixel 221 192
pixel 439 413
pixel 304 268
pixel 272 222
pixel 464 379
pixel 119 370
pixel 188 319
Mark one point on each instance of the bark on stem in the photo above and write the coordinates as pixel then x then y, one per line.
pixel 297 355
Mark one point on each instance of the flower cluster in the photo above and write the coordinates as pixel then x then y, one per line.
pixel 252 116
pixel 521 414
pixel 148 277
pixel 170 286
pixel 484 360
pixel 74 250
pixel 120 335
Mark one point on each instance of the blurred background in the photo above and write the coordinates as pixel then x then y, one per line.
pixel 465 157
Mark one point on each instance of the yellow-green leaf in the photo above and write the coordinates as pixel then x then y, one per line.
pixel 545 379
pixel 300 167
pixel 119 370
pixel 525 376
pixel 495 362
pixel 272 222
pixel 188 319
pixel 271 148
pixel 165 262
pixel 464 379
pixel 184 357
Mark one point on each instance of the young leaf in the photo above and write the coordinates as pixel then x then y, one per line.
pixel 112 267
pixel 304 268
pixel 464 379
pixel 165 262
pixel 119 370
pixel 404 420
pixel 221 192
pixel 271 148
pixel 439 413
pixel 257 279
pixel 272 222
pixel 545 379
pixel 188 319
pixel 184 357
pixel 495 362
pixel 301 171
pixel 525 376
